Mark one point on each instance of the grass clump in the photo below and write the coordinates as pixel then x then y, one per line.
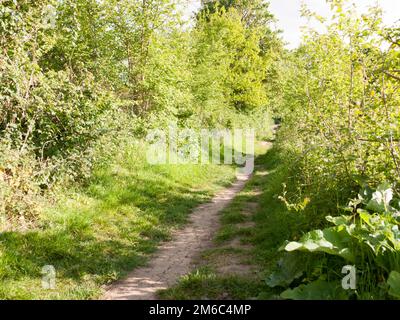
pixel 205 283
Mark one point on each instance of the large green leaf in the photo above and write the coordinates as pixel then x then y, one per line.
pixel 289 268
pixel 381 198
pixel 378 231
pixel 394 284
pixel 340 220
pixel 316 290
pixel 333 240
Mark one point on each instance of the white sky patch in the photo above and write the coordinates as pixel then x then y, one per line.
pixel 289 21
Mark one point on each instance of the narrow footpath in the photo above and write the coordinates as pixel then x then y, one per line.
pixel 175 258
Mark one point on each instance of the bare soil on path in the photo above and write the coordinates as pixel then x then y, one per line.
pixel 175 258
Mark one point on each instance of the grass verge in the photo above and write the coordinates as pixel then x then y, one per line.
pixel 100 232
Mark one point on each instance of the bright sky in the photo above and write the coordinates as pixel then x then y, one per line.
pixel 288 14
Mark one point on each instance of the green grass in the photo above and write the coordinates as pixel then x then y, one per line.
pixel 98 233
pixel 204 283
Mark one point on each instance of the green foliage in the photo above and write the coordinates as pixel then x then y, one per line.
pixel 339 109
pixel 339 106
pixel 289 268
pixel 72 72
pixel 19 194
pixel 229 56
pixel 317 290
pixel 394 284
pixel 204 283
pixel 47 117
pixel 369 240
pixel 331 240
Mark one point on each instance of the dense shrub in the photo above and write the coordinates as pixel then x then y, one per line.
pixel 340 137
pixel 78 76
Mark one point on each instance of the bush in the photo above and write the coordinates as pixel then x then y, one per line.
pixel 367 238
pixel 19 192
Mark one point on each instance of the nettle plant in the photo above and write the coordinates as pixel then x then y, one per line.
pixel 367 238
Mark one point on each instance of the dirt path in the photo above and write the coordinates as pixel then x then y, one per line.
pixel 175 258
pixel 232 257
